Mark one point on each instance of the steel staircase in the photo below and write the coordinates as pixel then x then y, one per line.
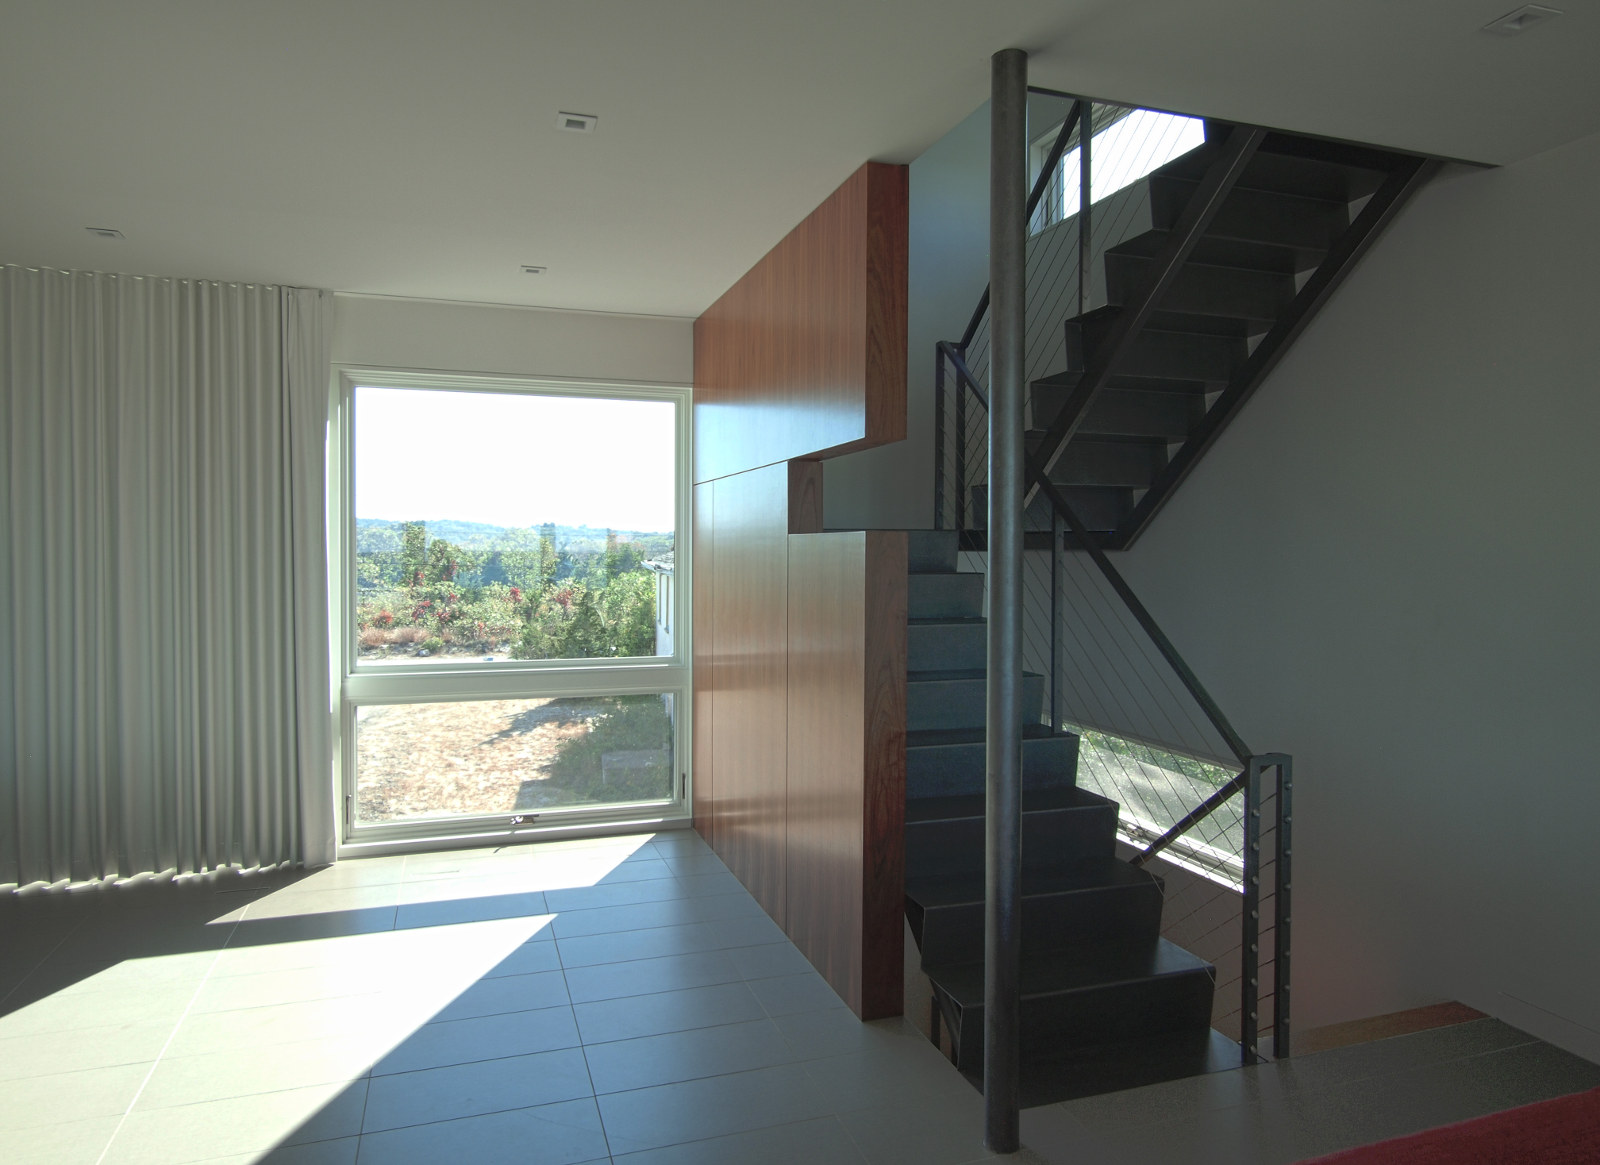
pixel 1245 238
pixel 1248 236
pixel 1107 1003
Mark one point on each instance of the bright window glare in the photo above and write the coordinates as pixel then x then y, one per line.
pixel 1127 150
pixel 510 459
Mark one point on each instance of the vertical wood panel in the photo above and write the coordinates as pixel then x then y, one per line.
pixel 827 637
pixel 750 602
pixel 888 297
pixel 846 760
pixel 806 354
pixel 805 497
pixel 703 547
pixel 803 797
pixel 883 792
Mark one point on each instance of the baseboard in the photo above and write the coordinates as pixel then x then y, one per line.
pixel 1382 1027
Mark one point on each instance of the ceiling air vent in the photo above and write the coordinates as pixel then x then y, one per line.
pixel 577 122
pixel 1521 20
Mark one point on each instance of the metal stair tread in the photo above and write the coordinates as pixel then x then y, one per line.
pixel 1279 171
pixel 955 674
pixel 939 737
pixel 1224 251
pixel 933 891
pixel 970 806
pixel 1043 976
pixel 1070 379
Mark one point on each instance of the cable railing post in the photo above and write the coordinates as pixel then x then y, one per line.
pixel 1282 886
pixel 1008 234
pixel 963 494
pixel 1250 918
pixel 938 437
pixel 1057 538
pixel 1085 193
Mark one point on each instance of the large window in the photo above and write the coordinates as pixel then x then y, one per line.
pixel 507 558
pixel 1127 145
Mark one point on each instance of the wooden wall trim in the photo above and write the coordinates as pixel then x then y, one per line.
pixel 805 356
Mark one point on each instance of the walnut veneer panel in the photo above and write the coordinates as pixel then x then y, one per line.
pixel 806 354
pixel 847 757
pixel 750 674
pixel 805 497
pixel 704 549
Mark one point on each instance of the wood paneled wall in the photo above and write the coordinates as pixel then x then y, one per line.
pixel 749 673
pixel 806 355
pixel 703 603
pixel 800 636
pixel 847 750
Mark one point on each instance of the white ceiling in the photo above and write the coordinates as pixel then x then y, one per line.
pixel 409 147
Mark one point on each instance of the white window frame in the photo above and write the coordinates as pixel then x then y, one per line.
pixel 365 684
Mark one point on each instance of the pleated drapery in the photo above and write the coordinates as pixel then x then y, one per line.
pixel 164 679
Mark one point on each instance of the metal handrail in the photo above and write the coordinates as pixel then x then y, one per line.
pixel 1040 184
pixel 1186 676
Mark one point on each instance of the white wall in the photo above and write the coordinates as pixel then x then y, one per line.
pixel 1389 566
pixel 891 487
pixel 947 269
pixel 470 337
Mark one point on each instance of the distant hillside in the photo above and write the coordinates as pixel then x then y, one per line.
pixel 375 535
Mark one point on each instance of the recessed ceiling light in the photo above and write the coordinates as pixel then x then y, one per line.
pixel 576 122
pixel 104 232
pixel 530 269
pixel 1521 20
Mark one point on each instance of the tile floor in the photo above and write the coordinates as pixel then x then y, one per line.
pixel 612 1000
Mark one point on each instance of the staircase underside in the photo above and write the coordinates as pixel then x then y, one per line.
pixel 1196 318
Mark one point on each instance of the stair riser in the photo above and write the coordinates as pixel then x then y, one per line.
pixel 1036 518
pixel 1211 251
pixel 1166 415
pixel 1212 291
pixel 931 551
pixel 1156 355
pixel 1290 172
pixel 946 646
pixel 1307 177
pixel 950 770
pixel 1050 838
pixel 1122 463
pixel 1159 405
pixel 1254 215
pixel 963 703
pixel 945 596
pixel 1094 1015
pixel 1051 924
pixel 1097 507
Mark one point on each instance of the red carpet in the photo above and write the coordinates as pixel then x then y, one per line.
pixel 1565 1131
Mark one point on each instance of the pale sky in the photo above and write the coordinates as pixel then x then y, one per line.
pixel 514 460
pixel 1127 150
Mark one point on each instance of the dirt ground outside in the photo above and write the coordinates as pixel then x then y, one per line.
pixel 469 758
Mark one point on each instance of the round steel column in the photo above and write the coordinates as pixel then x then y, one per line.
pixel 1008 236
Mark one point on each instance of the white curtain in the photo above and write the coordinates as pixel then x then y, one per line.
pixel 164 678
